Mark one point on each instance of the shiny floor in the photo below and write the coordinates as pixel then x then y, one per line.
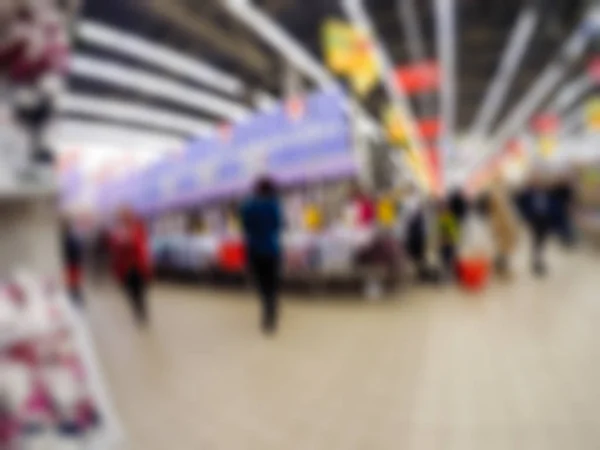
pixel 516 367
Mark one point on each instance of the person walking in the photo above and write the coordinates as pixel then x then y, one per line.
pixel 131 261
pixel 448 235
pixel 535 203
pixel 262 224
pixel 562 194
pixel 72 252
pixel 504 226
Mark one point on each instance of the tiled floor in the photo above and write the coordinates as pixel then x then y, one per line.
pixel 517 367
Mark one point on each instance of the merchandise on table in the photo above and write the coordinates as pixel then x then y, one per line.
pixel 338 250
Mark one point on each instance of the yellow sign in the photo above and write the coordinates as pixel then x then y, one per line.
pixel 547 145
pixel 349 51
pixel 592 114
pixel 395 126
pixel 338 42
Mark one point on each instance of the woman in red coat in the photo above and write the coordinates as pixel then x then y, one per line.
pixel 131 261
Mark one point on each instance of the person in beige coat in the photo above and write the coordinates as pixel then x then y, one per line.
pixel 504 226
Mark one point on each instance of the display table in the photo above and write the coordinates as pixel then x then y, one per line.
pixel 335 254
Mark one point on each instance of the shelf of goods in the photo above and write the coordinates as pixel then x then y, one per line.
pixel 52 393
pixel 339 253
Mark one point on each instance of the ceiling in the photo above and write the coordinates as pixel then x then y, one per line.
pixel 202 29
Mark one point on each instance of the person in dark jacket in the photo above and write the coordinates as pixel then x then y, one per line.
pixel 262 224
pixel 131 261
pixel 535 203
pixel 72 254
pixel 562 206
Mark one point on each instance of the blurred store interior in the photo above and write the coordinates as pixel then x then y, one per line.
pixel 299 224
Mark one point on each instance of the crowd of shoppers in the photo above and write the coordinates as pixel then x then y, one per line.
pixel 448 239
pixel 489 225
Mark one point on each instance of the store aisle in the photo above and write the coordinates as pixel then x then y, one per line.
pixel 515 368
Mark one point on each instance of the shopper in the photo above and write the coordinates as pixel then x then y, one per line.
pixel 504 226
pixel 72 253
pixel 535 202
pixel 415 235
pixel 562 207
pixel 131 261
pixel 363 206
pixel 458 205
pixel 262 224
pixel 448 236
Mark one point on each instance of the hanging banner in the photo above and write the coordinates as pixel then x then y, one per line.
pixel 430 129
pixel 395 126
pixel 593 70
pixel 339 40
pixel 349 51
pixel 545 124
pixel 418 78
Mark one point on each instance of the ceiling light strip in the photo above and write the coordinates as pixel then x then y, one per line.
pixel 74 130
pixel 153 85
pixel 160 56
pixel 570 93
pixel 511 60
pixel 447 53
pixel 132 113
pixel 520 115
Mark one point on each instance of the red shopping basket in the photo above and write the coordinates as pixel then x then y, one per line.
pixel 473 273
pixel 232 257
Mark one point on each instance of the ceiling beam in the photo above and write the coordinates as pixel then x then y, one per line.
pixel 204 29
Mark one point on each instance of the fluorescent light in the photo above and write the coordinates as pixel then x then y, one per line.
pixel 272 34
pixel 573 122
pixel 572 92
pixel 446 48
pixel 511 60
pixel 84 132
pixel 157 55
pixel 264 101
pixel 127 112
pixel 154 85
